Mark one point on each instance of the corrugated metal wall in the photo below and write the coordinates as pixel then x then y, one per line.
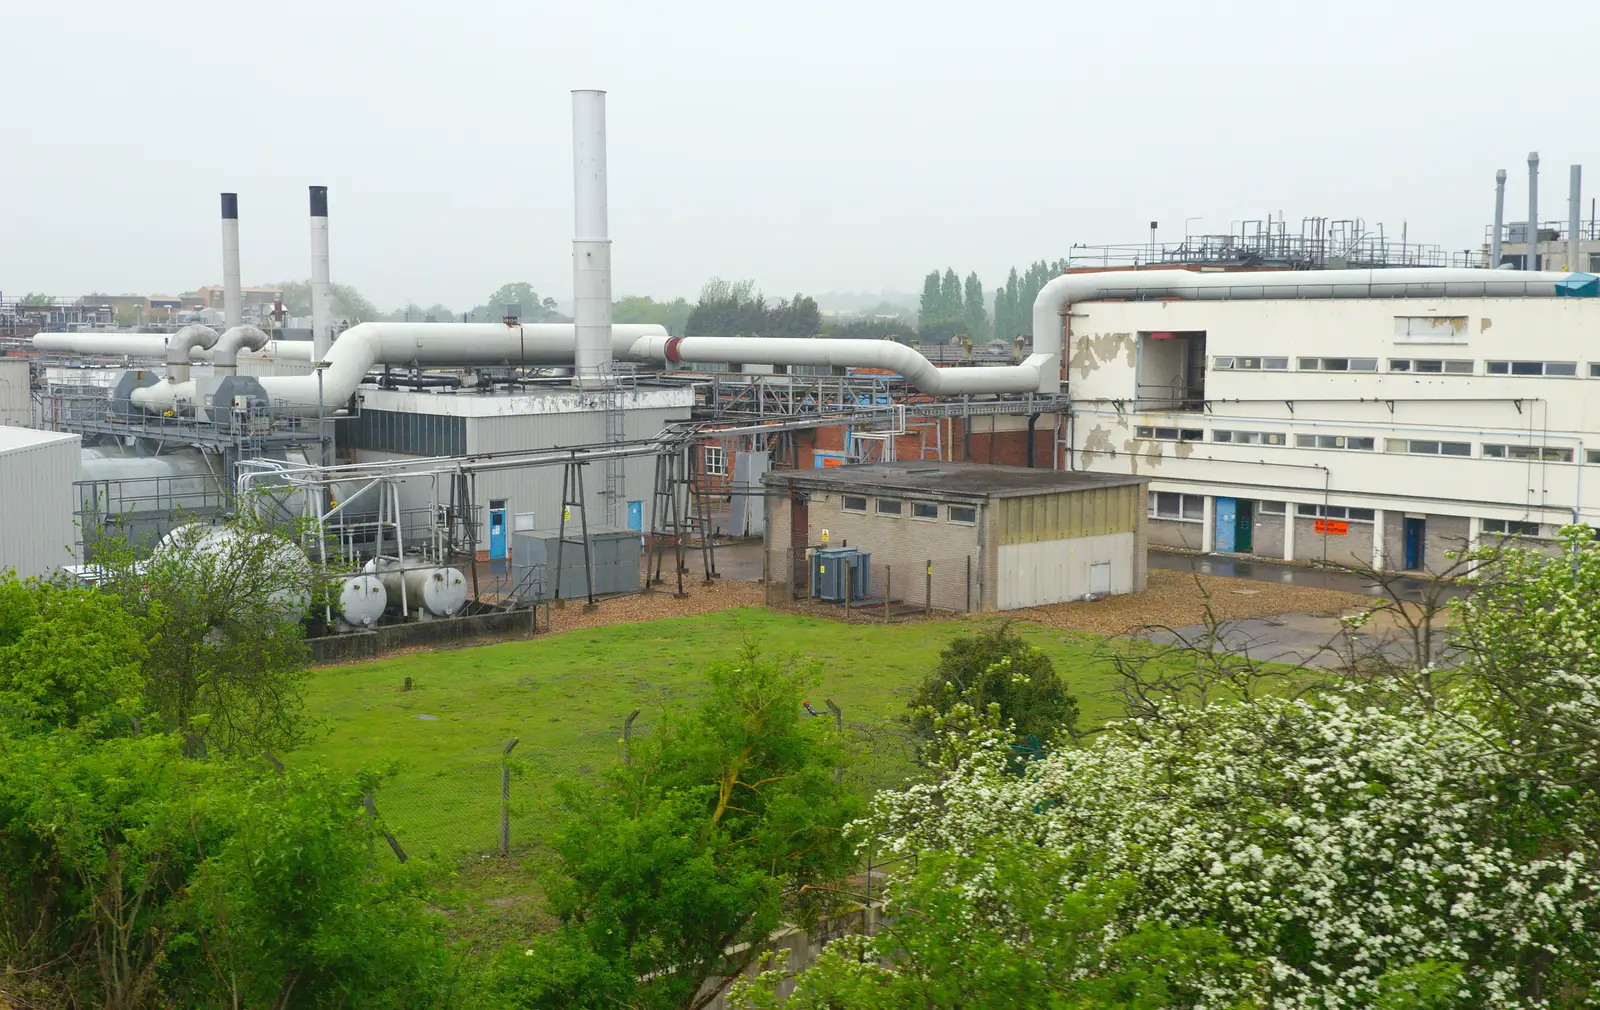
pixel 16 404
pixel 37 535
pixel 1055 571
pixel 533 496
pixel 1092 512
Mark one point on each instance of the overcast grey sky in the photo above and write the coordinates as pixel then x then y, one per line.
pixel 823 146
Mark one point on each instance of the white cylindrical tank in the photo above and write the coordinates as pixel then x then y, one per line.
pixel 221 552
pixel 438 592
pixel 362 600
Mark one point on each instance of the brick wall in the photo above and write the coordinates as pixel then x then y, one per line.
pixel 998 439
pixel 1174 533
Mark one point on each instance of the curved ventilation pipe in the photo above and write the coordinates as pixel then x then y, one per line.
pixel 232 293
pixel 178 349
pixel 154 345
pixel 225 356
pixel 368 344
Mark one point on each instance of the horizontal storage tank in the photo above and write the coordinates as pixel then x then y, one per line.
pixel 362 600
pixel 225 556
pixel 437 592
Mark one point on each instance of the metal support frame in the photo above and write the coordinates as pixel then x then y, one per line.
pixel 572 484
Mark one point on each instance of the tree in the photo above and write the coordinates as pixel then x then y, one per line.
pixel 1349 851
pixel 975 312
pixel 681 866
pixel 674 315
pixel 67 655
pixel 530 308
pixel 930 309
pixel 950 300
pixel 37 299
pixel 223 608
pixel 349 305
pixel 995 667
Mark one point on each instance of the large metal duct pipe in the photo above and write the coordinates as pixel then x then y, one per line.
pixel 1532 259
pixel 232 295
pixel 1499 218
pixel 591 242
pixel 225 356
pixel 321 287
pixel 193 335
pixel 362 346
pixel 1575 220
pixel 154 345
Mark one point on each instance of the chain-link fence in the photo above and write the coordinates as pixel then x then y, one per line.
pixel 870 585
pixel 503 794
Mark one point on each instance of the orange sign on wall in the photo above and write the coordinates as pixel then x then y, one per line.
pixel 1333 527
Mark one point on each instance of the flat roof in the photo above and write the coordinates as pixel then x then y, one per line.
pixel 939 479
pixel 552 399
pixel 13 439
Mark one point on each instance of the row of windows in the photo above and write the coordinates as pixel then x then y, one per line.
pixel 1170 505
pixel 1428 366
pixel 965 515
pixel 1366 443
pixel 411 434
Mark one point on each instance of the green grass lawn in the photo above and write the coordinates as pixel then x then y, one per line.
pixel 565 697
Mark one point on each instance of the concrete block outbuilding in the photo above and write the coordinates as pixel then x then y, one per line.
pixel 962 536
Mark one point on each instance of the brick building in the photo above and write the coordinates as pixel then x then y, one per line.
pixel 961 536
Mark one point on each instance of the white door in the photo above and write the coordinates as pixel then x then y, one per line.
pixel 1100 579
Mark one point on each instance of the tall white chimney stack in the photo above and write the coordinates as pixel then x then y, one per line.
pixel 232 296
pixel 1575 220
pixel 1499 218
pixel 1532 259
pixel 591 243
pixel 321 289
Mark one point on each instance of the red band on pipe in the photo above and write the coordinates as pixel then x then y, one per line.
pixel 670 352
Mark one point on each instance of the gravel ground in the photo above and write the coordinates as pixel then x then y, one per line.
pixel 723 594
pixel 1177 600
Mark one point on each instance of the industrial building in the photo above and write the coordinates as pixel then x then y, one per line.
pixel 963 537
pixel 38 470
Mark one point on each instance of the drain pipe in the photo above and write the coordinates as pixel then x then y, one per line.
pixel 1499 218
pixel 225 356
pixel 232 295
pixel 321 288
pixel 1033 419
pixel 178 350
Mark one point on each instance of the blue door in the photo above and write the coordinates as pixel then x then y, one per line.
pixel 1416 539
pixel 1226 509
pixel 497 531
pixel 636 516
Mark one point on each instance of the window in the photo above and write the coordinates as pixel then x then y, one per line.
pixel 1532 368
pixel 1591 456
pixel 1427 447
pixel 924 510
pixel 1542 453
pixel 716 461
pixel 1171 505
pixel 1271 508
pixel 1430 329
pixel 1336 512
pixel 965 514
pixel 854 503
pixel 1232 363
pixel 1594 369
pixel 1250 437
pixel 1510 528
pixel 1431 366
pixel 890 507
pixel 1361 442
pixel 1338 364
pixel 1170 434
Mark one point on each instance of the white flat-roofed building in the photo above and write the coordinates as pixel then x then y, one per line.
pixel 37 471
pixel 1372 431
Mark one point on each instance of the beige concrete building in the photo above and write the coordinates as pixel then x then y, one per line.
pixel 960 536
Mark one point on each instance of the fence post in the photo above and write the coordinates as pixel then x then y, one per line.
pixel 969 583
pixel 928 591
pixel 372 812
pixel 838 724
pixel 627 737
pixel 888 586
pixel 505 798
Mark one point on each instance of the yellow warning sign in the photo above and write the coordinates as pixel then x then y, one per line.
pixel 824 536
